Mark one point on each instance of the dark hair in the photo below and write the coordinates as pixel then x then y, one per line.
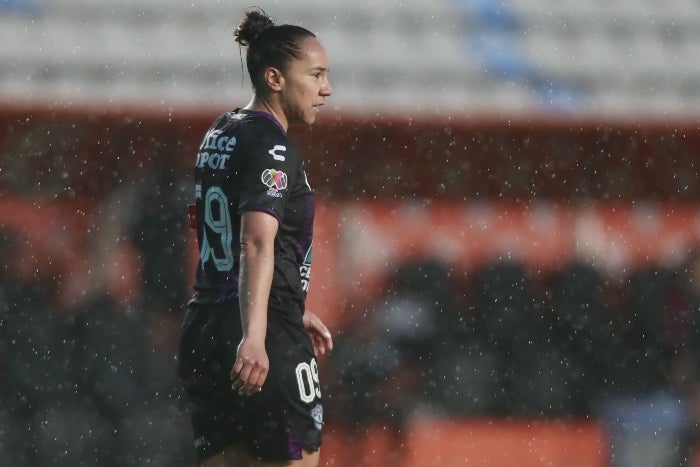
pixel 269 45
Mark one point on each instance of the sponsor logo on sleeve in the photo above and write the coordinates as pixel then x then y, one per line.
pixel 275 180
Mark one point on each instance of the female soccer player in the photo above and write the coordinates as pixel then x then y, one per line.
pixel 247 353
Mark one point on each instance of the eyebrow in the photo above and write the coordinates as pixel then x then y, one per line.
pixel 320 68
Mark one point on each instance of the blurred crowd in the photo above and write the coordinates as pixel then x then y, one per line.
pixel 507 341
pixel 92 381
pixel 88 377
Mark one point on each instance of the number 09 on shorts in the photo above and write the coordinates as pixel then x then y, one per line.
pixel 307 379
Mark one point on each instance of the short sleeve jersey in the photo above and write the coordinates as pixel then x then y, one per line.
pixel 247 163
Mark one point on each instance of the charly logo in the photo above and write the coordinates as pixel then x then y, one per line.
pixel 275 179
pixel 273 152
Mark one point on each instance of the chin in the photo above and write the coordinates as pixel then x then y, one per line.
pixel 307 120
pixel 312 116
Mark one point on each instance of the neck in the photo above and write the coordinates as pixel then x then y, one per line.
pixel 262 104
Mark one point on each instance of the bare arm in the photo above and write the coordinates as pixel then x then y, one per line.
pixel 258 230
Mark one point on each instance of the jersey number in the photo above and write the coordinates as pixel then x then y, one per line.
pixel 218 219
pixel 307 379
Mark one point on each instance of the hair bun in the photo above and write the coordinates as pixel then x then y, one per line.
pixel 255 22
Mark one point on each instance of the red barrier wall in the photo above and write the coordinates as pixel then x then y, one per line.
pixel 78 153
pixel 477 442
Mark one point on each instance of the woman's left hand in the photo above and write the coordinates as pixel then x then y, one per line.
pixel 320 335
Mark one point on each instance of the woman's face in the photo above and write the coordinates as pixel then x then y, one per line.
pixel 305 84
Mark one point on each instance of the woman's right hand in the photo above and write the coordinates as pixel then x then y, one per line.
pixel 251 367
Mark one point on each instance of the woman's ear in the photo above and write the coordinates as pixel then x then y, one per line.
pixel 274 78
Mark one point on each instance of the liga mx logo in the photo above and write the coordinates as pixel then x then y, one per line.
pixel 274 179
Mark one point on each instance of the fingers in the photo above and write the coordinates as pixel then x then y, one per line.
pixel 311 321
pixel 328 341
pixel 321 344
pixel 320 335
pixel 318 345
pixel 248 376
pixel 324 340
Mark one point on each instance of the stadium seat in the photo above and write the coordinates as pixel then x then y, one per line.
pixel 599 57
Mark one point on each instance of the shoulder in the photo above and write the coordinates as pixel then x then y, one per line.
pixel 244 122
pixel 257 124
pixel 261 132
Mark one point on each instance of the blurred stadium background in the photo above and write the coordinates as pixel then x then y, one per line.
pixel 506 244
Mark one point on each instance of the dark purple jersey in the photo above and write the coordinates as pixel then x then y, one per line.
pixel 247 163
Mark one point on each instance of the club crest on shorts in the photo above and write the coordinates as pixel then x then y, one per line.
pixel 317 415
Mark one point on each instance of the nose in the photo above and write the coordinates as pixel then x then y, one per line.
pixel 326 88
